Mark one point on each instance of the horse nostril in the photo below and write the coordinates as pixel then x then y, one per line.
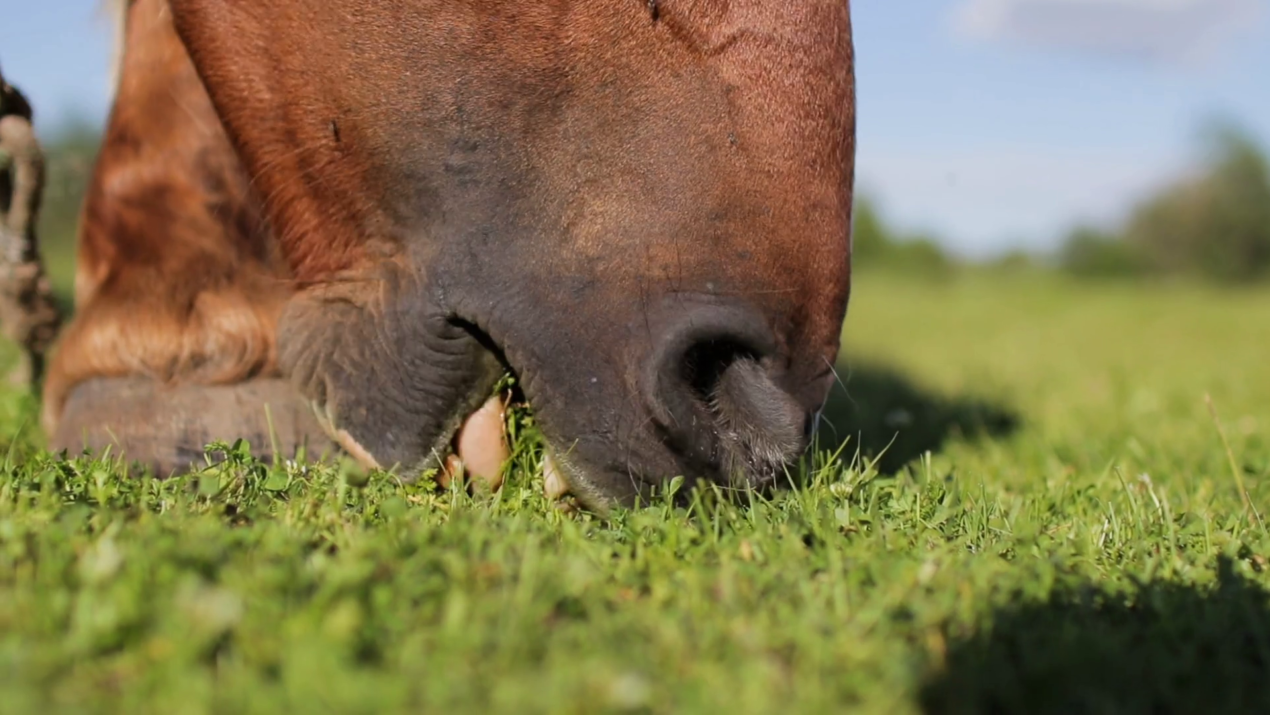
pixel 715 400
pixel 761 424
pixel 704 365
pixel 692 351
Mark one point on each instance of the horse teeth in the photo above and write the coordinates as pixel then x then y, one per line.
pixel 450 469
pixel 554 485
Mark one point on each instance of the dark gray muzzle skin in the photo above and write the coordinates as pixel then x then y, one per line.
pixel 691 385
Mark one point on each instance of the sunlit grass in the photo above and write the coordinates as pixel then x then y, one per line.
pixel 1093 553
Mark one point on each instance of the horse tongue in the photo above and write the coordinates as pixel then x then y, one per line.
pixel 480 447
pixel 481 451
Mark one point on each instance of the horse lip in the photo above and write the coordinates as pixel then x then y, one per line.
pixel 563 478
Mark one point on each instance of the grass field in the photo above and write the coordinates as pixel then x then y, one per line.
pixel 1057 528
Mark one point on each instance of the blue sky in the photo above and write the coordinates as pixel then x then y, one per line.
pixel 993 124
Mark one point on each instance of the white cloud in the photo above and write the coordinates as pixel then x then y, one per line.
pixel 1161 31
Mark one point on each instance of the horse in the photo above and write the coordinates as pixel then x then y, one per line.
pixel 362 214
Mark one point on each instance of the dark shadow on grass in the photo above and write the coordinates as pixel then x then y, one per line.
pixel 1167 648
pixel 882 412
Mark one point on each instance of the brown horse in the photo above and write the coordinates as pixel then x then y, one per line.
pixel 639 207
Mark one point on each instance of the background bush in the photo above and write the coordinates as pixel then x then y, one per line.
pixel 70 151
pixel 877 245
pixel 1213 225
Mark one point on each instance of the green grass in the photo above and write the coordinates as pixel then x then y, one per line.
pixel 1057 528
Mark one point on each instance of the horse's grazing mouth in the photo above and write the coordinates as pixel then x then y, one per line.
pixel 709 388
pixel 480 452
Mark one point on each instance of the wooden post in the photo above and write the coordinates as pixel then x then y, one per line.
pixel 28 314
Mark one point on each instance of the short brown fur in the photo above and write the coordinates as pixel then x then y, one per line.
pixel 178 278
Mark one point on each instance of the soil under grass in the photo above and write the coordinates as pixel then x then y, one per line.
pixel 1044 519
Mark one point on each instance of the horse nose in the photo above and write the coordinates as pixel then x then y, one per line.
pixel 714 398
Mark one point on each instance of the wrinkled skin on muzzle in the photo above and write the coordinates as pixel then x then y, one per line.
pixel 644 215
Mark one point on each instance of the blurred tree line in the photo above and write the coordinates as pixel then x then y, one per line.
pixel 1213 225
pixel 879 245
